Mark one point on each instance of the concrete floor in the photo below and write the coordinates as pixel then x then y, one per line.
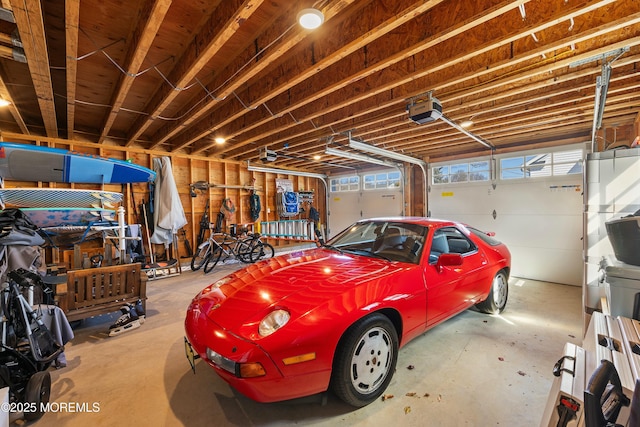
pixel 473 370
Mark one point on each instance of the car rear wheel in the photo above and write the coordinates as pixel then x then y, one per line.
pixel 365 360
pixel 498 294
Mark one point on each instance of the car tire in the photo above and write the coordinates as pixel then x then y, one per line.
pixel 365 360
pixel 498 294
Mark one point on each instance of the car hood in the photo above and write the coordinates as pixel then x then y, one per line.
pixel 298 282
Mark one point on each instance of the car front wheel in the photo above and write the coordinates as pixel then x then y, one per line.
pixel 365 360
pixel 498 294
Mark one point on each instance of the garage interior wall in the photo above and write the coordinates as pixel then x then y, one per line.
pixel 612 193
pixel 538 217
pixel 187 169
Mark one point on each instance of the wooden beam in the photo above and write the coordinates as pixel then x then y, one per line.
pixel 4 94
pixel 184 73
pixel 30 22
pixel 151 18
pixel 394 57
pixel 412 84
pixel 72 17
pixel 228 89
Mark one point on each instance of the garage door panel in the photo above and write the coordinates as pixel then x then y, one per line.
pixel 562 197
pixel 541 232
pixel 377 203
pixel 540 198
pixel 550 265
pixel 385 198
pixel 538 218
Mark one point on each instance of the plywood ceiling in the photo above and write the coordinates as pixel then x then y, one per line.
pixel 173 75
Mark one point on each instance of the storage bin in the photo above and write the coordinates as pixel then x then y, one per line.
pixel 624 234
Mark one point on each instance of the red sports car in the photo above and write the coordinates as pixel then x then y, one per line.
pixel 334 317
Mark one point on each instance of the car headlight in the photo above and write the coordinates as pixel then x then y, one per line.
pixel 272 322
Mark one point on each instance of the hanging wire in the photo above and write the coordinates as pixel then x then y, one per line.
pixel 98 50
pixel 174 87
pixel 523 11
pixel 223 84
pixel 243 104
pixel 209 94
pixel 268 110
pixel 294 119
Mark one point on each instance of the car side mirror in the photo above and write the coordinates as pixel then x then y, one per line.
pixel 448 260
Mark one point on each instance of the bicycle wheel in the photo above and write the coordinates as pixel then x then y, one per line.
pixel 262 250
pixel 200 257
pixel 212 261
pixel 243 250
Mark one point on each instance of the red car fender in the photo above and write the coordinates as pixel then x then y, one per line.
pixel 405 307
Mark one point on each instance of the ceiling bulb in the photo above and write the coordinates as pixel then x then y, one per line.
pixel 466 124
pixel 310 18
pixel 219 140
pixel 4 103
pixel 317 157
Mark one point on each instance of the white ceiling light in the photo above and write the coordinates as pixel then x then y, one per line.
pixel 219 140
pixel 310 18
pixel 466 123
pixel 358 157
pixel 4 103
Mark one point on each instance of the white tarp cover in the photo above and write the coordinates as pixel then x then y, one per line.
pixel 168 213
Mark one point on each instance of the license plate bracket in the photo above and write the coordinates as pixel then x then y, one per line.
pixel 191 355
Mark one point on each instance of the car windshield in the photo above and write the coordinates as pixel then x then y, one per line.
pixel 390 240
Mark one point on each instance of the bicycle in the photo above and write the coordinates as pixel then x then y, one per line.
pixel 249 249
pixel 230 246
pixel 259 249
pixel 202 253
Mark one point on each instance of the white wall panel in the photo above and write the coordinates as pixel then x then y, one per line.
pixel 613 182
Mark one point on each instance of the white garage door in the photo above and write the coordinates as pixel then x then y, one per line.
pixel 372 194
pixel 535 207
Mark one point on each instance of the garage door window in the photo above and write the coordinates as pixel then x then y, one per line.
pixel 381 181
pixel 345 183
pixel 461 172
pixel 541 165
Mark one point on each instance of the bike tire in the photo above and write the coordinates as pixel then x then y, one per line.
pixel 213 260
pixel 262 250
pixel 243 250
pixel 200 256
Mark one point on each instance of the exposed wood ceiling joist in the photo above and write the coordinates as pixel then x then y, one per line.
pixel 170 75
